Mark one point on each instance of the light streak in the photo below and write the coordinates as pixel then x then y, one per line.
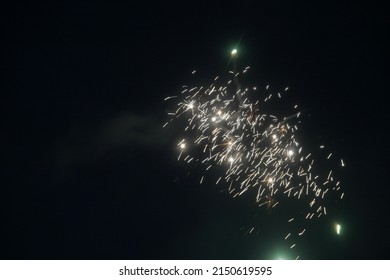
pixel 338 229
pixel 254 147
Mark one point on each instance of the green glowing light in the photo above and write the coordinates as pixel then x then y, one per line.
pixel 338 229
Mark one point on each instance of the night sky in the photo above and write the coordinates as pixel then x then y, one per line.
pixel 87 172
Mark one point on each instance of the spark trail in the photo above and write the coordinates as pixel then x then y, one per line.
pixel 249 146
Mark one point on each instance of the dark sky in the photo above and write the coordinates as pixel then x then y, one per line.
pixel 88 173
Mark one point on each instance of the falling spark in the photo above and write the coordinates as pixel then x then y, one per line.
pixel 250 146
pixel 338 229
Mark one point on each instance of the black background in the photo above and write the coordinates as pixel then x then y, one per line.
pixel 87 171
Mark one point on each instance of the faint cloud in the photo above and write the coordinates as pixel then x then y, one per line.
pixel 127 132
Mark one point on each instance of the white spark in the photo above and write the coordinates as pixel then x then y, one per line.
pixel 250 147
pixel 338 229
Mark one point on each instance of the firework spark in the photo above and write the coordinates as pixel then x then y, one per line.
pixel 252 147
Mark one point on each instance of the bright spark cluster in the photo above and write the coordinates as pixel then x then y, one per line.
pixel 249 147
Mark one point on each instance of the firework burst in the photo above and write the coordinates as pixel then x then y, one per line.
pixel 250 147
